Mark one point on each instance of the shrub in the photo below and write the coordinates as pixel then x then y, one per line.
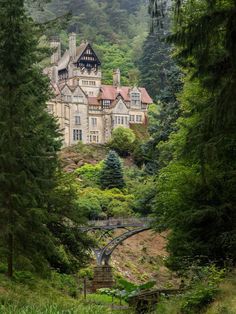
pixel 90 174
pixel 203 289
pixel 122 141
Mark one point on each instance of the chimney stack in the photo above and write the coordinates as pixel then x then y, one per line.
pixel 72 45
pixel 54 77
pixel 55 44
pixel 116 77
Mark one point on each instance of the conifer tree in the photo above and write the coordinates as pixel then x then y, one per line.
pixel 28 139
pixel 162 78
pixel 196 191
pixel 111 173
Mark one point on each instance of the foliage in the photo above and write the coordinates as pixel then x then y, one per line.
pixel 72 246
pixel 90 174
pixel 29 139
pixel 50 296
pixel 162 78
pixel 117 30
pixel 126 289
pixel 203 290
pixel 195 196
pixel 111 175
pixel 122 140
pixel 203 286
pixel 97 203
pixel 114 56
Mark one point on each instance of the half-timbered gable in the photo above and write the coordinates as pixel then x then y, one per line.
pixel 87 58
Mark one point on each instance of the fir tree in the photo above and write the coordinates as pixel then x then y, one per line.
pixel 196 197
pixel 162 78
pixel 111 173
pixel 28 140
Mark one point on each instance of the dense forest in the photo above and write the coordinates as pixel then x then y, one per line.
pixel 116 29
pixel 176 171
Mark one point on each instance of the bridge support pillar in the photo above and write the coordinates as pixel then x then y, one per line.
pixel 103 277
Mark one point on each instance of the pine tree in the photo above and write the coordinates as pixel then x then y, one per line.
pixel 196 197
pixel 111 173
pixel 162 78
pixel 28 140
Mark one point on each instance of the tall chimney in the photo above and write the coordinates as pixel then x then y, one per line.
pixel 72 45
pixel 54 75
pixel 116 77
pixel 55 44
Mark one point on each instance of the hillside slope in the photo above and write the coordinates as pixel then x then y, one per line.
pixel 141 258
pixel 116 29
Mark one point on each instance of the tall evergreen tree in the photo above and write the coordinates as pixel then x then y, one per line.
pixel 162 78
pixel 28 138
pixel 111 174
pixel 196 197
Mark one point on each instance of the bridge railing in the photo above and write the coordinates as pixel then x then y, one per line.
pixel 121 222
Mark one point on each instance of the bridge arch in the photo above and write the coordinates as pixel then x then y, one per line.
pixel 131 226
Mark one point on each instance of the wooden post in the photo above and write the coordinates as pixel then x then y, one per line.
pixel 85 288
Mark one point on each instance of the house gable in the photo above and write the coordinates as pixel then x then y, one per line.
pixel 66 91
pixel 88 59
pixel 120 108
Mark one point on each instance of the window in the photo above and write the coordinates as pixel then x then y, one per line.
pixel 90 93
pixel 106 104
pixel 135 99
pixel 77 135
pixel 79 99
pixel 138 118
pixel 94 121
pixel 66 112
pixel 94 137
pixel 77 120
pixel 121 120
pixel 68 98
pixel 92 83
pixel 85 82
pixel 132 118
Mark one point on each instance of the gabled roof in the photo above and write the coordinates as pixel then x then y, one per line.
pixel 93 101
pixel 110 92
pixel 55 89
pixel 64 61
pixel 82 49
pixel 72 88
pixel 79 50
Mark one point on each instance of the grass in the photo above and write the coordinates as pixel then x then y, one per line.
pixel 224 303
pixel 103 299
pixel 41 297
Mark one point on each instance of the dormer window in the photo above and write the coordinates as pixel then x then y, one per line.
pixel 106 104
pixel 135 98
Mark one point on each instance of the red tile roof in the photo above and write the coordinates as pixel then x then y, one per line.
pixel 110 92
pixel 93 101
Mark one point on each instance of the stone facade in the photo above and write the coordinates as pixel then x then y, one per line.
pixel 86 109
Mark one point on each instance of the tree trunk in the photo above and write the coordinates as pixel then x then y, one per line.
pixel 10 256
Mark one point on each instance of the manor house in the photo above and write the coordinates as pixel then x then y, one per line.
pixel 86 109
